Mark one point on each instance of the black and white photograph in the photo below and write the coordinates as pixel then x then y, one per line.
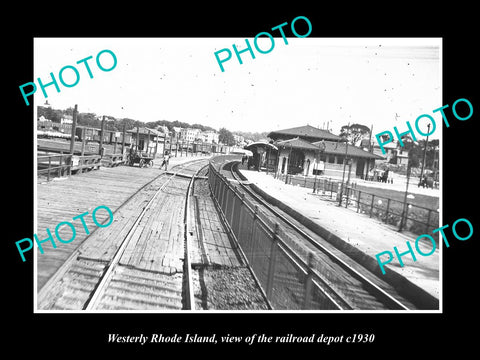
pixel 242 182
pixel 282 214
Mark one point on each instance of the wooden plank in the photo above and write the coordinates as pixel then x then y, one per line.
pixel 62 200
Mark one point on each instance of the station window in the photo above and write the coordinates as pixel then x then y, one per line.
pixel 340 159
pixel 331 159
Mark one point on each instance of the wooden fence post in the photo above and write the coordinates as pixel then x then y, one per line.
pixel 388 208
pixel 371 205
pixel 358 200
pixel 49 165
pixel 271 264
pixel 308 282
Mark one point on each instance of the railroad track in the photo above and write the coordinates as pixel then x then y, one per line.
pixel 351 285
pixel 142 262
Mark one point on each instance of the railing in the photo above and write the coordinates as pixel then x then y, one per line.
pixel 416 219
pixel 81 164
pixel 65 164
pixel 54 164
pixel 287 280
pixel 112 160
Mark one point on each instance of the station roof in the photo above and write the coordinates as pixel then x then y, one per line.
pixel 338 148
pixel 306 132
pixel 260 144
pixel 296 143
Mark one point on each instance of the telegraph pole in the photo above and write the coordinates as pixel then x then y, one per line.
pixel 425 153
pixel 287 164
pixel 343 176
pixel 344 165
pixel 123 137
pixel 405 208
pixel 101 136
pixel 74 130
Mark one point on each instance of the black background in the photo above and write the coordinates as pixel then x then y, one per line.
pixel 60 335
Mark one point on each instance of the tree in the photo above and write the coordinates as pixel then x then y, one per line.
pixel 88 119
pixel 49 113
pixel 415 150
pixel 202 127
pixel 129 124
pixel 432 153
pixel 354 132
pixel 68 111
pixel 254 136
pixel 418 152
pixel 226 137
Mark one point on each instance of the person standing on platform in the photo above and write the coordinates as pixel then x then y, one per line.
pixel 165 161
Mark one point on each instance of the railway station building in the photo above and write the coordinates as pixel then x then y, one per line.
pixel 146 139
pixel 309 151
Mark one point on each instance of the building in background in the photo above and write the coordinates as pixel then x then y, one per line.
pixel 146 139
pixel 307 132
pixel 308 151
pixel 189 134
pixel 66 119
pixel 395 154
pixel 176 134
pixel 209 137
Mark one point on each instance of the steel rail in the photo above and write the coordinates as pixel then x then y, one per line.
pixel 389 300
pixel 335 298
pixel 188 234
pixel 102 285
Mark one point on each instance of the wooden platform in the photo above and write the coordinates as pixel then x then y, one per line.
pixel 61 200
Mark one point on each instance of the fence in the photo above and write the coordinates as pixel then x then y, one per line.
pixel 54 164
pixel 288 281
pixel 417 219
pixel 64 164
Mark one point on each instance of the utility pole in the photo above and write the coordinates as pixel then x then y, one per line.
pixel 403 220
pixel 74 130
pixel 164 142
pixel 287 164
pixel 425 153
pixel 148 142
pixel 370 146
pixel 123 137
pixel 268 157
pixel 343 176
pixel 344 165
pixel 138 137
pixel 101 136
pixel 83 142
pixel 315 169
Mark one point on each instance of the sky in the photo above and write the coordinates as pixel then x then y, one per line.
pixel 323 82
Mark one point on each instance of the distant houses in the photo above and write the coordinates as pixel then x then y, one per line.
pixel 143 138
pixel 66 119
pixel 395 154
pixel 210 137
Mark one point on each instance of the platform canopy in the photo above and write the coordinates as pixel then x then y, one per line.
pixel 242 152
pixel 260 144
pixel 296 143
